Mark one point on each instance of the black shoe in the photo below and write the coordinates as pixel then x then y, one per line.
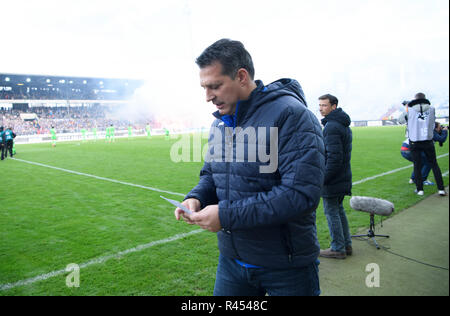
pixel 348 250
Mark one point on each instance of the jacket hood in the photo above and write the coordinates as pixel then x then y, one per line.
pixel 420 105
pixel 280 88
pixel 261 95
pixel 339 116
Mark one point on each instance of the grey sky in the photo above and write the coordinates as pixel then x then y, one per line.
pixel 370 54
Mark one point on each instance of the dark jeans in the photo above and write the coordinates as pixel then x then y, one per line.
pixel 426 168
pixel 337 223
pixel 233 279
pixel 7 146
pixel 427 147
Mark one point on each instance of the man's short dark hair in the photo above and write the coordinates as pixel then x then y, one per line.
pixel 419 95
pixel 333 100
pixel 232 55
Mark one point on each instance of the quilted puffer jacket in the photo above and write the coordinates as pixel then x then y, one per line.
pixel 267 207
pixel 338 138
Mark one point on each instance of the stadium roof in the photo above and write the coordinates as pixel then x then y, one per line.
pixel 45 87
pixel 7 79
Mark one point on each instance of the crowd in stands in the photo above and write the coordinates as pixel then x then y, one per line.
pixel 59 94
pixel 63 119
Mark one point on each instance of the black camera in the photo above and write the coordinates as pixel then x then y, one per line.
pixel 440 132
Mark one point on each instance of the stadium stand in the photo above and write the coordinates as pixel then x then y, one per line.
pixel 37 87
pixel 32 104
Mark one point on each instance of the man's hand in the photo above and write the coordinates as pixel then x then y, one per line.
pixel 192 204
pixel 207 218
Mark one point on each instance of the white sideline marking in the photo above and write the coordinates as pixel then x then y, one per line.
pixel 392 171
pixel 99 178
pixel 180 194
pixel 103 259
pixel 98 260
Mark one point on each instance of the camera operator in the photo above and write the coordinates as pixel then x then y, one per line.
pixel 421 126
pixel 440 133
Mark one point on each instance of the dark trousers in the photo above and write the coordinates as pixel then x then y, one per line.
pixel 7 147
pixel 426 147
pixel 233 279
pixel 426 168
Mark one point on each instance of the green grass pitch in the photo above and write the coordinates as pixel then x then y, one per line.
pixel 50 218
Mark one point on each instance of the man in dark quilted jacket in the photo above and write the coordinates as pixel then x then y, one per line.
pixel 338 175
pixel 261 181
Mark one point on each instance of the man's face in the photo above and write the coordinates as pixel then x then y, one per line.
pixel 325 107
pixel 220 89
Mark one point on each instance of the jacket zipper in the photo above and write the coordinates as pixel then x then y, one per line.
pixel 286 234
pixel 228 165
pixel 228 199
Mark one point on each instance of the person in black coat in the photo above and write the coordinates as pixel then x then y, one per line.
pixel 1 141
pixel 8 142
pixel 338 175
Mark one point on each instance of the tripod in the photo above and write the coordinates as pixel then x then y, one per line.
pixel 371 232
